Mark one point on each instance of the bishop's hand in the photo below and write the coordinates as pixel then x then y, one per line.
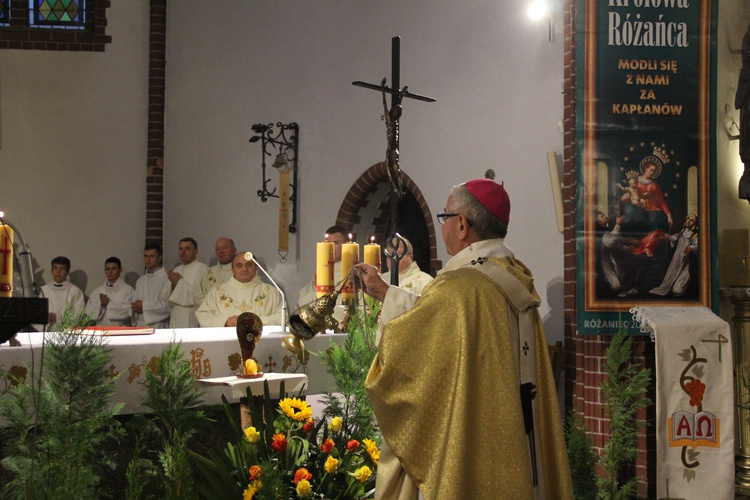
pixel 369 279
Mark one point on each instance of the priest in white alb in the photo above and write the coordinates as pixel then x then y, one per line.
pixel 109 304
pixel 185 280
pixel 151 304
pixel 243 292
pixel 219 272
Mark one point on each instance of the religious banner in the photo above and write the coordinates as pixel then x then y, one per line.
pixel 694 402
pixel 645 158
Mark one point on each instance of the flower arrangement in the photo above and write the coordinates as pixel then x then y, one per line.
pixel 333 467
pixel 294 456
pixel 289 453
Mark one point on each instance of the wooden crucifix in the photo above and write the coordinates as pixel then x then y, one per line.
pixel 392 117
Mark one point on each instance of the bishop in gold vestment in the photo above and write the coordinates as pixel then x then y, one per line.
pixel 462 386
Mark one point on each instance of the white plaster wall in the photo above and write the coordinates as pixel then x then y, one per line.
pixel 73 147
pixel 73 125
pixel 496 77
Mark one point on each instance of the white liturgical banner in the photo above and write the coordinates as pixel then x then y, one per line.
pixel 694 402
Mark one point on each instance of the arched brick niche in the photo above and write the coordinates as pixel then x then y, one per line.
pixel 367 205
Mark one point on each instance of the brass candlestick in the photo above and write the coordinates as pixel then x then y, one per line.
pixel 740 298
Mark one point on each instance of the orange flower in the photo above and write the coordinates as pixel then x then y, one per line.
pixel 352 445
pixel 308 427
pixel 327 446
pixel 301 474
pixel 279 442
pixel 255 471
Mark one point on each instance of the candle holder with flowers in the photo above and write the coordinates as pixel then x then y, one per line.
pixel 249 331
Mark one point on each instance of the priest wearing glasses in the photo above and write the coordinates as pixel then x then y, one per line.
pixel 462 385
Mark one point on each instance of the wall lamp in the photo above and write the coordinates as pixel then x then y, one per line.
pixel 280 143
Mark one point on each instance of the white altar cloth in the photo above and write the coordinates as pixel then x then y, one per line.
pixel 694 402
pixel 293 383
pixel 212 352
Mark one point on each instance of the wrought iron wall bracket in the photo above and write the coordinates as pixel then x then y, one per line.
pixel 281 145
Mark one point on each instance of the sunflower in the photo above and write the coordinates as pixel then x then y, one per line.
pixel 296 409
pixel 372 450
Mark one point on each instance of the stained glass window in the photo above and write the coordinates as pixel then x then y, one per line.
pixel 75 25
pixel 4 12
pixel 67 14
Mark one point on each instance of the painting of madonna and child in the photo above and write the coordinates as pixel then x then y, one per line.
pixel 646 217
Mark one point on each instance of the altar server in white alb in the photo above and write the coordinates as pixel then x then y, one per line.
pixel 61 292
pixel 185 280
pixel 410 277
pixel 219 272
pixel 151 304
pixel 109 304
pixel 243 292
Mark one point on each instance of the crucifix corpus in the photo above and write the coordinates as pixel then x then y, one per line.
pixel 392 116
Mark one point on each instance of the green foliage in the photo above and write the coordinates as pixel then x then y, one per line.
pixel 582 457
pixel 172 395
pixel 59 423
pixel 623 391
pixel 348 365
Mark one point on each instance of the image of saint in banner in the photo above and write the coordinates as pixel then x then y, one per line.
pixel 645 210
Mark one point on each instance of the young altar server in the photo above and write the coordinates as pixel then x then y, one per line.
pixel 61 292
pixel 185 280
pixel 109 304
pixel 151 304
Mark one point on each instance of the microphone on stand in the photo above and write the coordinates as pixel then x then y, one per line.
pixel 249 256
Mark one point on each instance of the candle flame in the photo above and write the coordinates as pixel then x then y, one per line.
pixel 2 214
pixel 372 238
pixel 350 237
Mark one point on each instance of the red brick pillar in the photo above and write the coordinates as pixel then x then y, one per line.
pixel 156 86
pixel 585 355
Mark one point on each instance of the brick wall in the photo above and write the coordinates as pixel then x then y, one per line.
pixel 156 86
pixel 357 197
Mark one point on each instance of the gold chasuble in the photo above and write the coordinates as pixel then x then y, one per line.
pixel 446 387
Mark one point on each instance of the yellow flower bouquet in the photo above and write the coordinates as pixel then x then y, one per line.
pixel 287 452
pixel 292 455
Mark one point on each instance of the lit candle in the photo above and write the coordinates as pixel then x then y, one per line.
pixel 324 268
pixel 349 257
pixel 372 253
pixel 6 268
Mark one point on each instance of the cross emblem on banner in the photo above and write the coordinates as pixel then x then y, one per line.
pixel 6 250
pixel 720 339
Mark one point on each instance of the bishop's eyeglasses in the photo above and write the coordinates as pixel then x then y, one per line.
pixel 443 216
